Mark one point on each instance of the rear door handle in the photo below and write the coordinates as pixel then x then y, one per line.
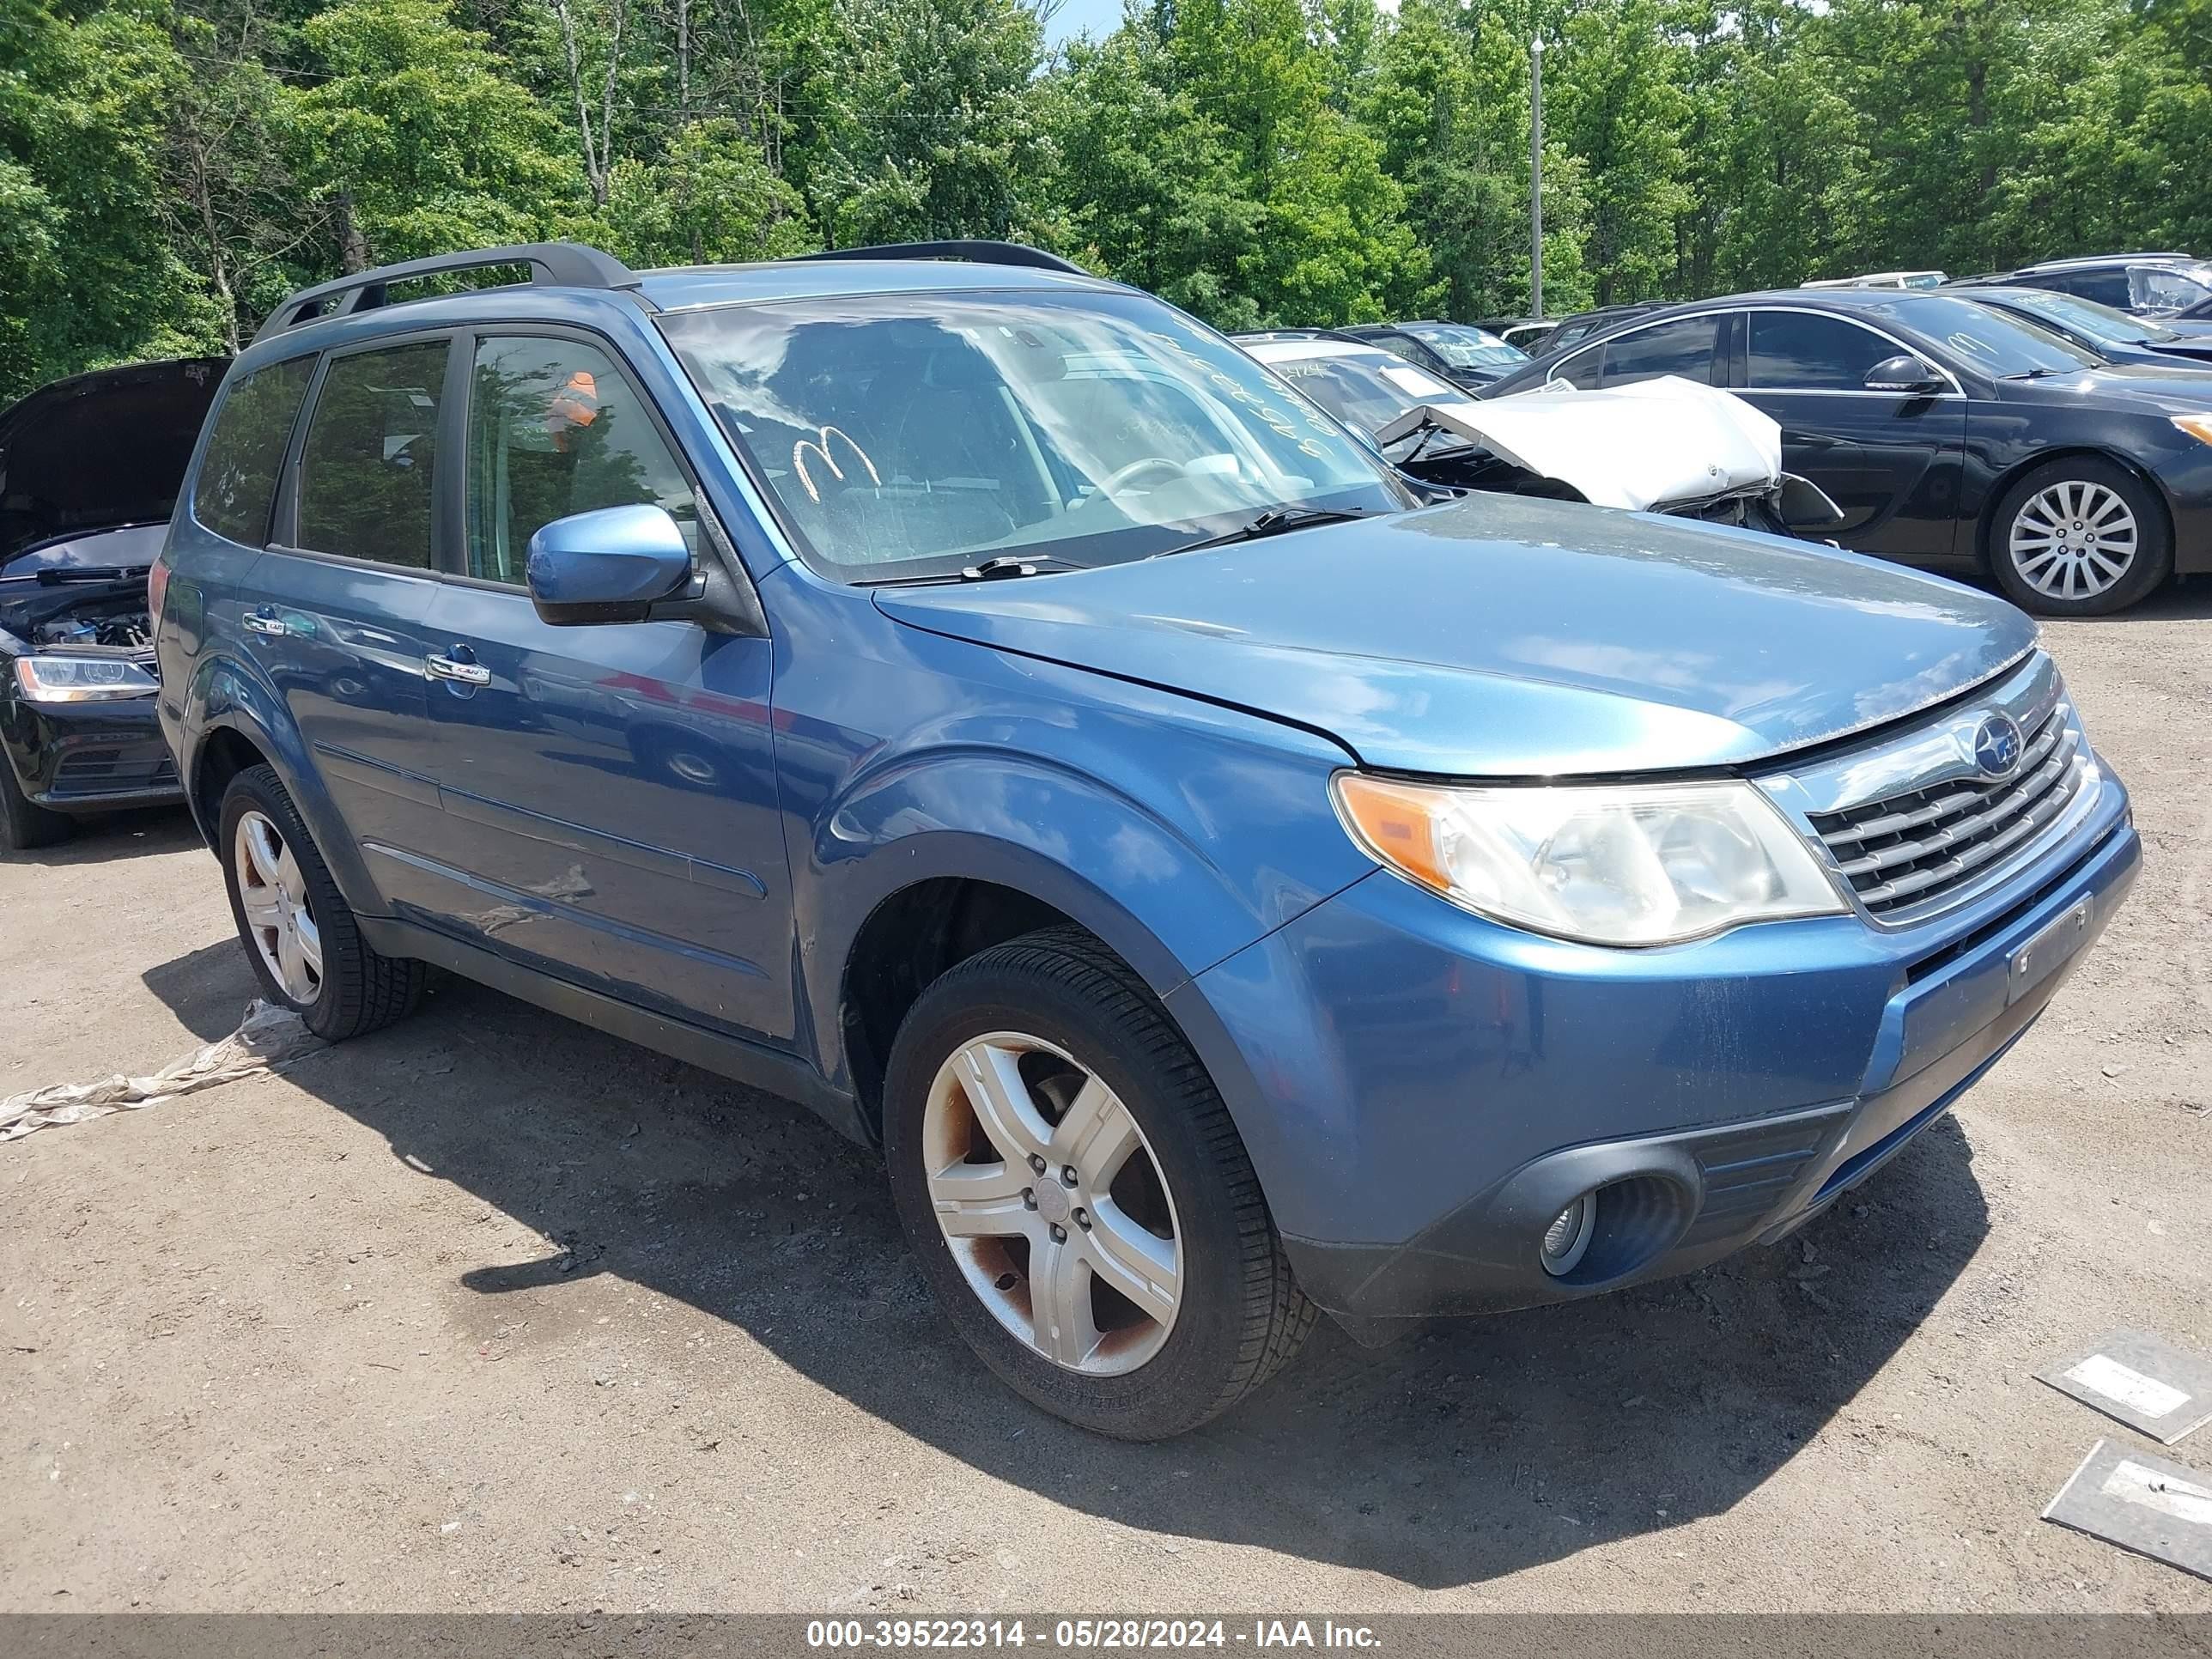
pixel 467 673
pixel 263 622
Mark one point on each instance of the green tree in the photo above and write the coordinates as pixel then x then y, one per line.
pixel 934 123
pixel 415 141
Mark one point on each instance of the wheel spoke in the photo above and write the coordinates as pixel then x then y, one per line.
pixel 290 878
pixel 990 1076
pixel 311 943
pixel 259 904
pixel 982 1201
pixel 1140 1265
pixel 1059 1303
pixel 263 851
pixel 2107 508
pixel 1095 1134
pixel 292 966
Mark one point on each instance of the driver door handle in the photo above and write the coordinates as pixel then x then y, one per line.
pixel 467 673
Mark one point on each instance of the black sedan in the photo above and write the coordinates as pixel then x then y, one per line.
pixel 1951 434
pixel 2115 336
pixel 89 470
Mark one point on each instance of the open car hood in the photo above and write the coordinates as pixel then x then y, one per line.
pixel 1644 445
pixel 99 450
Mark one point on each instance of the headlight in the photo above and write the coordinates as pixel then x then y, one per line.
pixel 1630 864
pixel 2198 426
pixel 81 679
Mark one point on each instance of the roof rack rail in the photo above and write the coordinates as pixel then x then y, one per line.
pixel 977 252
pixel 558 264
pixel 2107 258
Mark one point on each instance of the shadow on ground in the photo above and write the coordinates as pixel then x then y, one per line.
pixel 103 836
pixel 1454 1456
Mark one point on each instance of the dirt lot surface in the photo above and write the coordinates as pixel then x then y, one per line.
pixel 490 1310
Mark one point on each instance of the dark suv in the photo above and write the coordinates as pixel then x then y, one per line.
pixel 2145 284
pixel 981 701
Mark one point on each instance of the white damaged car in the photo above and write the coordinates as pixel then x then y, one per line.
pixel 1666 445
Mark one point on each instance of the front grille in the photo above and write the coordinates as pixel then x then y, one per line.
pixel 1911 849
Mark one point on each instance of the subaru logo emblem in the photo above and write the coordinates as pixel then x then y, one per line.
pixel 1996 745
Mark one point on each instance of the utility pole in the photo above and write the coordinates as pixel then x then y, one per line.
pixel 1536 176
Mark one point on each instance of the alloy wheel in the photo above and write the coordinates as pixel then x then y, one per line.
pixel 2075 540
pixel 273 894
pixel 1052 1204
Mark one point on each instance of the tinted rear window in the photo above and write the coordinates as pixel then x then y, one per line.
pixel 238 477
pixel 368 471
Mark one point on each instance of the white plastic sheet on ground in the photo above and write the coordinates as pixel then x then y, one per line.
pixel 265 1041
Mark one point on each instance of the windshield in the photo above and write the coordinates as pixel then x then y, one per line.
pixel 1465 348
pixel 1364 388
pixel 2162 288
pixel 908 435
pixel 1991 340
pixel 2098 323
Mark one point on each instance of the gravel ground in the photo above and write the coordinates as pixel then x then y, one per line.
pixel 490 1310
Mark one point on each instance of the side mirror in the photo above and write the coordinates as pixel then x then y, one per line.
pixel 607 566
pixel 1906 372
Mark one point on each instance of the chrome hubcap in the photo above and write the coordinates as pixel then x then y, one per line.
pixel 274 895
pixel 2073 541
pixel 1052 1202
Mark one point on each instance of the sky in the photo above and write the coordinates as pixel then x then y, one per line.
pixel 1083 17
pixel 1096 17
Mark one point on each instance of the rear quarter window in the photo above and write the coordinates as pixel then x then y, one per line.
pixel 237 481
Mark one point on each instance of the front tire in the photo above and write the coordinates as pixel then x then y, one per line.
pixel 2080 536
pixel 23 822
pixel 1077 1195
pixel 298 933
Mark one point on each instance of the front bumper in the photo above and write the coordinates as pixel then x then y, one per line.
pixel 1422 1090
pixel 90 757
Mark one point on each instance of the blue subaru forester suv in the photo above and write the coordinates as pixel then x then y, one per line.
pixel 976 700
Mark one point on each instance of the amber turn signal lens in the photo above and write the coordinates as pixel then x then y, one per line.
pixel 1398 824
pixel 2198 426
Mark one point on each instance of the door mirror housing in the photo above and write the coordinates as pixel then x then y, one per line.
pixel 610 565
pixel 1906 372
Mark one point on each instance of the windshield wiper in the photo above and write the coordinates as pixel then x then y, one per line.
pixel 55 574
pixel 1003 568
pixel 2036 373
pixel 1273 522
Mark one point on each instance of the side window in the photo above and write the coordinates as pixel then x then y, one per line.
pixel 2106 287
pixel 555 429
pixel 238 477
pixel 368 468
pixel 1580 370
pixel 1685 347
pixel 1802 351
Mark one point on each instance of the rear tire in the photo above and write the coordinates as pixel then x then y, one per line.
pixel 282 894
pixel 1212 1310
pixel 2080 536
pixel 23 822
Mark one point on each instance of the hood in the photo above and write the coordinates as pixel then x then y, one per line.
pixel 2150 387
pixel 1502 636
pixel 1636 446
pixel 99 450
